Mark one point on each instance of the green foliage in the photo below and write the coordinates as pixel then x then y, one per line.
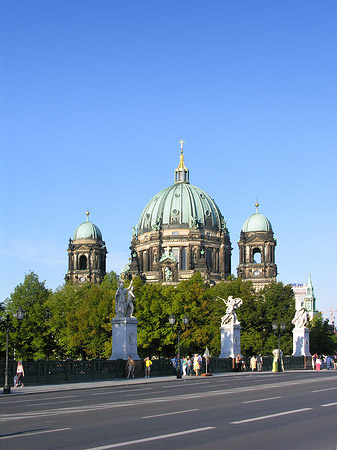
pixel 323 341
pixel 75 320
pixel 31 339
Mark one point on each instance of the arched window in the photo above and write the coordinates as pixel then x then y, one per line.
pixel 83 262
pixel 257 256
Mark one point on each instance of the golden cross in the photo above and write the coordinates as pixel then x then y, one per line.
pixel 181 142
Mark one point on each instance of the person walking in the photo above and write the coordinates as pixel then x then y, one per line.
pixel 189 366
pixel 259 362
pixel 253 363
pixel 184 366
pixel 20 373
pixel 196 365
pixel 131 367
pixel 148 364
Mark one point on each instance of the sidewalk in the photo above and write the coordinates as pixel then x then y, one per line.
pixel 39 389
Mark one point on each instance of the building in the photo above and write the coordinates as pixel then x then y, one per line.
pixel 304 294
pixel 257 251
pixel 86 254
pixel 181 231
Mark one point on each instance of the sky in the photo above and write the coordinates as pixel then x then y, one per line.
pixel 95 97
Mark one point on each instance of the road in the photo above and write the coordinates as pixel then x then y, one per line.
pixel 292 410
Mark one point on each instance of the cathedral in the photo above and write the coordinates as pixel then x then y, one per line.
pixel 181 231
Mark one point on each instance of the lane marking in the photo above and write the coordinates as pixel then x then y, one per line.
pixel 54 403
pixel 34 400
pixel 153 438
pixel 261 400
pixel 327 389
pixel 132 395
pixel 170 414
pixel 330 404
pixel 34 432
pixel 269 416
pixel 124 390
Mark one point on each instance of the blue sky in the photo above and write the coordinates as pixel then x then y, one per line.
pixel 96 95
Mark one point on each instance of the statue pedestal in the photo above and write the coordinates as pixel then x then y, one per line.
pixel 301 342
pixel 230 340
pixel 124 338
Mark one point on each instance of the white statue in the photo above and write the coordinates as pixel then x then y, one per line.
pixel 124 300
pixel 232 304
pixel 129 301
pixel 301 317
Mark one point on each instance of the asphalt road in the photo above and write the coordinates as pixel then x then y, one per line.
pixel 292 410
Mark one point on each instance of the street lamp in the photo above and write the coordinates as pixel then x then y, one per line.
pixel 279 329
pixel 20 314
pixel 172 321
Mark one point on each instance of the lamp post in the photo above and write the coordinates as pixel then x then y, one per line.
pixel 20 314
pixel 279 329
pixel 172 321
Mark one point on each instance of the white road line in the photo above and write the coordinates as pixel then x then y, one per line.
pixel 330 404
pixel 54 403
pixel 269 416
pixel 170 414
pixel 261 400
pixel 322 390
pixel 34 400
pixel 124 390
pixel 132 395
pixel 153 438
pixel 34 432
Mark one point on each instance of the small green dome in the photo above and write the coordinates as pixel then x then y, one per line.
pixel 257 222
pixel 87 230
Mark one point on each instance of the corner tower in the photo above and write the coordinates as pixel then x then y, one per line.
pixel 86 254
pixel 181 231
pixel 257 251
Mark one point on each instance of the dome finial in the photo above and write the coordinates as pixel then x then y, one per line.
pixel 181 173
pixel 88 214
pixel 257 206
pixel 181 142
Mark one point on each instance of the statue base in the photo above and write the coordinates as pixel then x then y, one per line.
pixel 301 342
pixel 124 338
pixel 230 340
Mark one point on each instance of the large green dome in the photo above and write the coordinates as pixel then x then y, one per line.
pixel 257 222
pixel 180 205
pixel 87 230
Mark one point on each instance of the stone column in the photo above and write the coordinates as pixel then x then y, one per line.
pixel 124 338
pixel 301 341
pixel 230 340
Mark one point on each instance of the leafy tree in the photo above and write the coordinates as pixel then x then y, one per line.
pixel 323 341
pixel 32 339
pixel 80 319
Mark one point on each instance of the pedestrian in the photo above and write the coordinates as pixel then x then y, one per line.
pixel 259 362
pixel 318 363
pixel 131 367
pixel 184 366
pixel 148 364
pixel 20 373
pixel 335 362
pixel 238 363
pixel 196 365
pixel 253 363
pixel 189 366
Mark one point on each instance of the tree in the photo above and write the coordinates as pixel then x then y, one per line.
pixel 32 339
pixel 323 341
